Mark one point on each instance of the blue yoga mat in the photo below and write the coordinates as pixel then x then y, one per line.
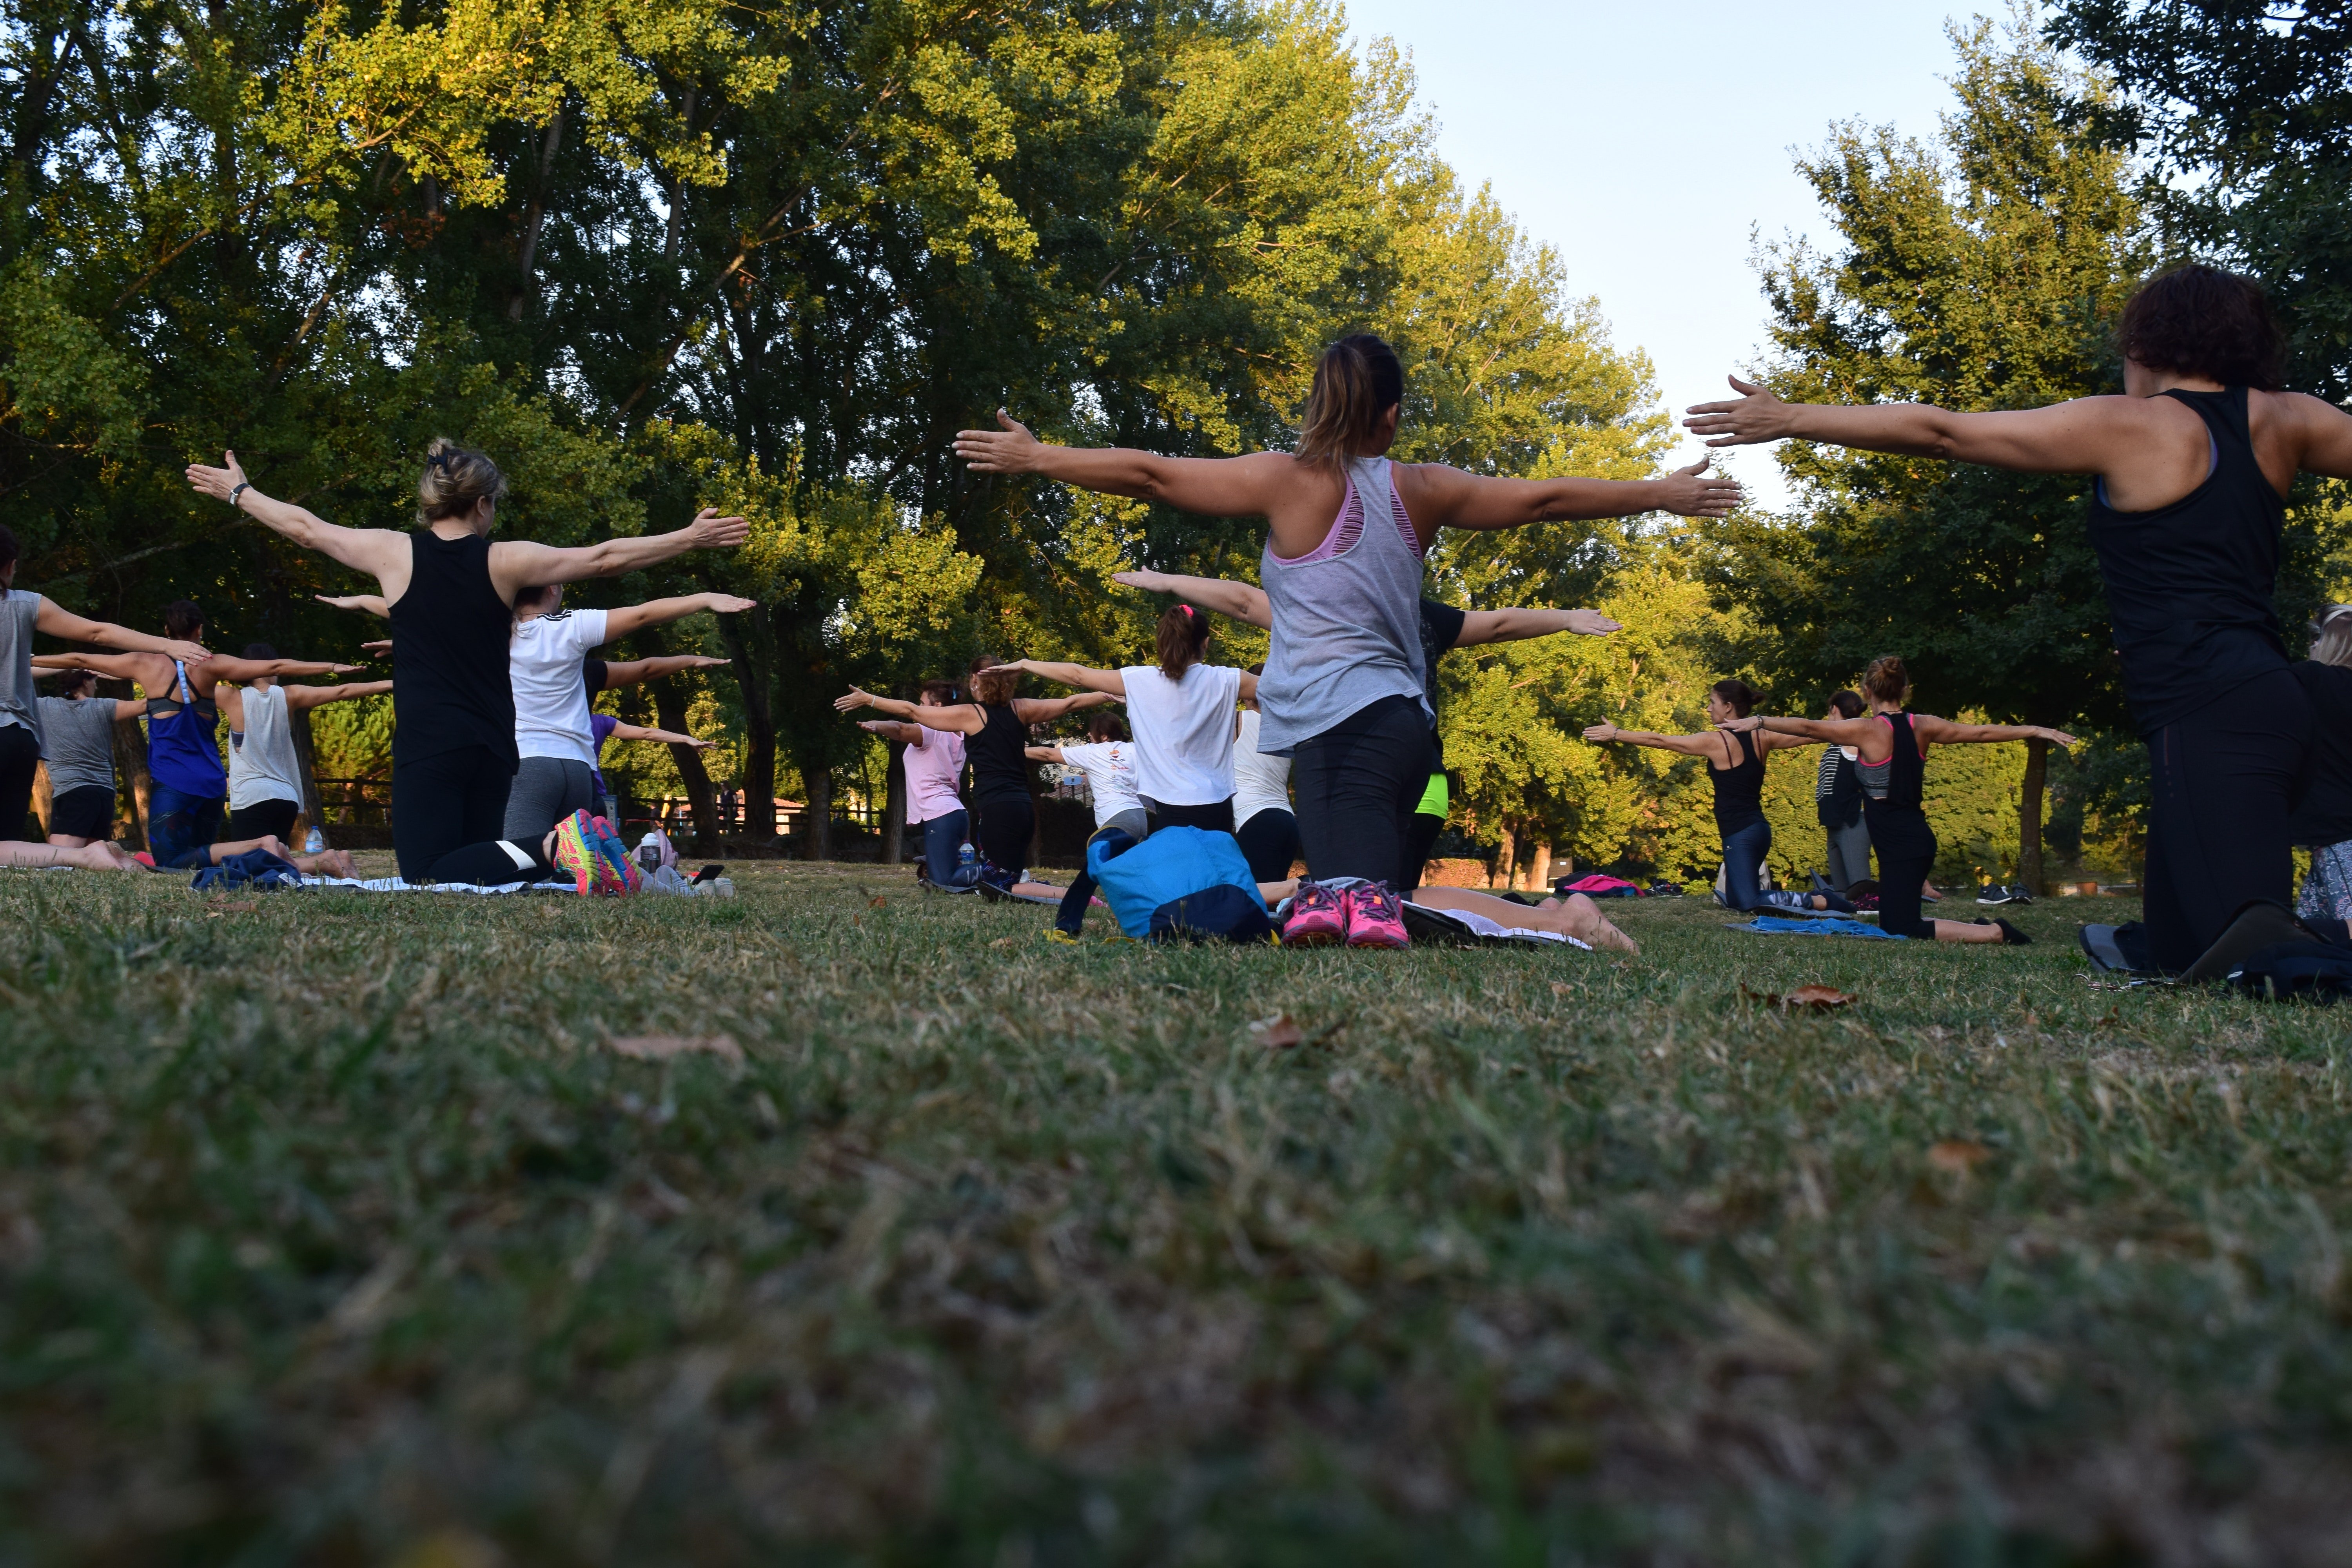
pixel 1774 925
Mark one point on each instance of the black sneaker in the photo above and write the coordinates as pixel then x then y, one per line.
pixel 2010 935
pixel 1994 893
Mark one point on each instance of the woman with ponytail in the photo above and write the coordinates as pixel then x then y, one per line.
pixel 1342 568
pixel 450 593
pixel 1892 745
pixel 1183 715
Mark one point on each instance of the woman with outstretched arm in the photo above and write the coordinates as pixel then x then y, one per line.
pixel 1892 750
pixel 450 593
pixel 1442 629
pixel 995 727
pixel 1342 568
pixel 2191 466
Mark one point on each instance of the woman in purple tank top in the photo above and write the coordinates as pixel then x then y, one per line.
pixel 1342 567
pixel 2191 468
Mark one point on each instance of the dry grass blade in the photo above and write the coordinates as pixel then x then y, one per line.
pixel 1818 997
pixel 663 1047
pixel 1958 1156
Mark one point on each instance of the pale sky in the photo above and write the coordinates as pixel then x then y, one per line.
pixel 1648 141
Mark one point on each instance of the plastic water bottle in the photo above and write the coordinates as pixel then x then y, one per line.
pixel 649 855
pixel 313 841
pixel 967 857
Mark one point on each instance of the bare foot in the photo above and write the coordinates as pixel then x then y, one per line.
pixel 327 863
pixel 1583 921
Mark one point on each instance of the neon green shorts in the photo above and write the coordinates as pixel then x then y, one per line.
pixel 1434 800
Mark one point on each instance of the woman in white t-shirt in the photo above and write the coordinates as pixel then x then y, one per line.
pixel 1182 710
pixel 1108 763
pixel 556 768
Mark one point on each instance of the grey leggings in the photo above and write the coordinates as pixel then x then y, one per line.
pixel 1849 849
pixel 546 791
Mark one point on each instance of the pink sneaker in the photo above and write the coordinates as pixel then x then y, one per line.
pixel 1374 917
pixel 1318 916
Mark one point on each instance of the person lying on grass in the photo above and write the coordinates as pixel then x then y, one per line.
pixel 1574 915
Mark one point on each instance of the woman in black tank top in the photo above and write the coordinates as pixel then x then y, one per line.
pixel 449 593
pixel 995 725
pixel 2191 464
pixel 1734 767
pixel 1893 744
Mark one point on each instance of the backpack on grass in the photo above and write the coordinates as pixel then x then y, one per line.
pixel 2295 972
pixel 1179 884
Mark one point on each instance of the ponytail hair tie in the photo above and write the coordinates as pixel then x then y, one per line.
pixel 1186 609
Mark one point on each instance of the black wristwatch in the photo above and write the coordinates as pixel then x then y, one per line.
pixel 235 490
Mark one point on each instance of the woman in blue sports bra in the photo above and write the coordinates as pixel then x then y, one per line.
pixel 2193 464
pixel 191 793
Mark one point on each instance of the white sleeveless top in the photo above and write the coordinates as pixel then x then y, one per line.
pixel 262 765
pixel 1347 616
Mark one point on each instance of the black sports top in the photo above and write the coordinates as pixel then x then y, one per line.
pixel 999 765
pixel 451 631
pixel 2190 586
pixel 1905 772
pixel 2324 815
pixel 1738 789
pixel 1440 628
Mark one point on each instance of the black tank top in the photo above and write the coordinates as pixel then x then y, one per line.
pixel 2190 586
pixel 1739 789
pixel 449 635
pixel 1907 771
pixel 998 767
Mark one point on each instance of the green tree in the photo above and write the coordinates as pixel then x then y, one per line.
pixel 1982 273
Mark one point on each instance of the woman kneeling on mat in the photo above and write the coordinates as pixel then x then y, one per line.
pixel 1734 767
pixel 1892 749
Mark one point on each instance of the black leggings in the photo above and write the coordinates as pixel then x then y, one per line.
pixel 2222 780
pixel 492 865
pixel 445 802
pixel 1006 825
pixel 1269 842
pixel 270 818
pixel 1357 785
pixel 1217 816
pixel 1906 853
pixel 20 755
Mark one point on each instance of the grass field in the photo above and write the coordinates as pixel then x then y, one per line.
pixel 334 1229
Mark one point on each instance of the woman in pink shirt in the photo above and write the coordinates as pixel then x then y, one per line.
pixel 934 761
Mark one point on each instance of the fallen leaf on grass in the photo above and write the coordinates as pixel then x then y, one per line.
pixel 662 1047
pixel 1958 1155
pixel 1561 988
pixel 1278 1031
pixel 1004 942
pixel 1820 998
pixel 2109 1022
pixel 876 903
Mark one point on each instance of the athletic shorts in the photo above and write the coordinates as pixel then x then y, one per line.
pixel 1435 799
pixel 84 812
pixel 264 819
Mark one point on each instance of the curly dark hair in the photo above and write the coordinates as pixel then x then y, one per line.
pixel 2200 320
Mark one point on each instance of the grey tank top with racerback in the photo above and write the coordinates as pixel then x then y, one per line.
pixel 1347 616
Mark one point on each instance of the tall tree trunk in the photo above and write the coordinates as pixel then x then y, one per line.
pixel 816 782
pixel 534 220
pixel 43 796
pixel 750 670
pixel 306 768
pixel 2029 816
pixel 1506 859
pixel 669 705
pixel 1540 870
pixel 131 761
pixel 894 807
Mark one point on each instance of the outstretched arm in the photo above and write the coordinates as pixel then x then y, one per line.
pixel 1836 732
pixel 1078 675
pixel 312 695
pixel 220 666
pixel 1516 626
pixel 1436 496
pixel 891 729
pixel 620 623
pixel 64 624
pixel 1244 602
pixel 516 564
pixel 1042 754
pixel 641 733
pixel 965 719
pixel 1945 732
pixel 1045 710
pixel 1214 487
pixel 632 671
pixel 366 604
pixel 2085 435
pixel 119 666
pixel 1709 745
pixel 378 552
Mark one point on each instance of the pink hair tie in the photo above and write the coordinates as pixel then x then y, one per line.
pixel 1186 609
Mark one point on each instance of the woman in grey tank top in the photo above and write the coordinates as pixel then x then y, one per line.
pixel 1342 568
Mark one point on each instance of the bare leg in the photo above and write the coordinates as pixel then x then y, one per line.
pixel 326 863
pixel 1274 892
pixel 1575 915
pixel 1962 930
pixel 89 856
pixel 69 841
